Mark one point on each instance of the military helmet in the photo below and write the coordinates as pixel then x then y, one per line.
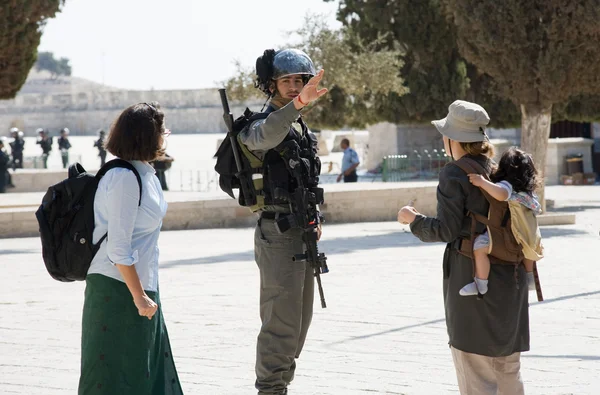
pixel 273 65
pixel 292 61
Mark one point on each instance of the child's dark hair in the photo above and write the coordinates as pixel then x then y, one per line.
pixel 516 166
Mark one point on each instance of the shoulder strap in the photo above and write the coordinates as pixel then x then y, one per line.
pixel 471 166
pixel 121 163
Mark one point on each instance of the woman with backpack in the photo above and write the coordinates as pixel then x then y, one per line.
pixel 515 182
pixel 125 346
pixel 487 335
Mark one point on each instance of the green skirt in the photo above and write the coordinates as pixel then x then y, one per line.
pixel 122 352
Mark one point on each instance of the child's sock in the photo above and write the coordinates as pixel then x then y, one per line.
pixel 472 288
pixel 530 281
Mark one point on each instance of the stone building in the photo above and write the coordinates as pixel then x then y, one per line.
pixel 84 106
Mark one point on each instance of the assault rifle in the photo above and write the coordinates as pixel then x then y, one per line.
pixel 245 179
pixel 304 213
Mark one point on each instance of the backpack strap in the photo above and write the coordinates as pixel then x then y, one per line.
pixel 112 164
pixel 471 166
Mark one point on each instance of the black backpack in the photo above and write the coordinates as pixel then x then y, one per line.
pixel 66 220
pixel 226 166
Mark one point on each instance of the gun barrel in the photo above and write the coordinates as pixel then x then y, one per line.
pixel 243 177
pixel 321 295
pixel 224 101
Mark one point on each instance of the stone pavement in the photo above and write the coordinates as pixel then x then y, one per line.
pixel 382 333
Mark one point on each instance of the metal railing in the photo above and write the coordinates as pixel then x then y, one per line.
pixel 423 165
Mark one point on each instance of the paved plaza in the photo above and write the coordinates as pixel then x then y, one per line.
pixel 383 331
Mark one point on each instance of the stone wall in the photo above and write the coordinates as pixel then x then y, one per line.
pixel 390 139
pixel 559 149
pixel 187 111
pixel 36 180
pixel 344 203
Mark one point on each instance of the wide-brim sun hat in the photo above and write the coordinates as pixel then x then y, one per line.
pixel 464 123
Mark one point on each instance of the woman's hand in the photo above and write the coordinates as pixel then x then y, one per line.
pixel 310 92
pixel 146 306
pixel 407 215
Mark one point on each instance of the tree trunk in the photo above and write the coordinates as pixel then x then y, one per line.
pixel 535 131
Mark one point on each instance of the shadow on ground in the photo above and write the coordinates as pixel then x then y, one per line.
pixel 441 320
pixel 573 209
pixel 10 252
pixel 340 245
pixel 556 231
pixel 347 245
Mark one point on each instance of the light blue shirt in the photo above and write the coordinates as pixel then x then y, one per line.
pixel 132 231
pixel 350 158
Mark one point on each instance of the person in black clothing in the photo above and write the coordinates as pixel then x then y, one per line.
pixel 161 165
pixel 16 148
pixel 4 161
pixel 64 145
pixel 100 145
pixel 45 141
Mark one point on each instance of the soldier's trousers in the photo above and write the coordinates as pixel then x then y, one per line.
pixel 286 305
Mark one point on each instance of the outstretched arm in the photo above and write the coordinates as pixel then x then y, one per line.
pixel 496 191
pixel 268 133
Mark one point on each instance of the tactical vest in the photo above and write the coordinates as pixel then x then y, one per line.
pixel 271 179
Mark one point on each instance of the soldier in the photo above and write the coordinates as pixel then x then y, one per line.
pixel 16 148
pixel 100 145
pixel 64 145
pixel 4 161
pixel 289 79
pixel 45 142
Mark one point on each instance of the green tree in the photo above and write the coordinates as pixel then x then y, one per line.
pixel 21 25
pixel 433 70
pixel 358 73
pixel 56 67
pixel 540 53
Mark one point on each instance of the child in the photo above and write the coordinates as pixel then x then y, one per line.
pixel 514 181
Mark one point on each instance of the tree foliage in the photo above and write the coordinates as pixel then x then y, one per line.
pixel 434 70
pixel 56 67
pixel 21 25
pixel 359 74
pixel 539 52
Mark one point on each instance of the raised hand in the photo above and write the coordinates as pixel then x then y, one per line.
pixel 311 91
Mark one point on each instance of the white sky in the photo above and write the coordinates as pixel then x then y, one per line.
pixel 174 44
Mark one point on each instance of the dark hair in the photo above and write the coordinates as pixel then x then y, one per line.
pixel 264 71
pixel 137 134
pixel 516 166
pixel 346 142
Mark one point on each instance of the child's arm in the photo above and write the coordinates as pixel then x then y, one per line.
pixel 495 191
